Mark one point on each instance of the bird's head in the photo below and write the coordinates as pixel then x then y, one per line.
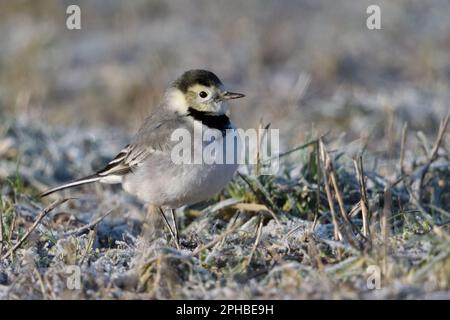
pixel 201 90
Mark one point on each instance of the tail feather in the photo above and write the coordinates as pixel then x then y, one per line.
pixel 79 182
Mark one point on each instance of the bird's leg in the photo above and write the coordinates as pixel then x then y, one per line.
pixel 169 227
pixel 153 227
pixel 177 233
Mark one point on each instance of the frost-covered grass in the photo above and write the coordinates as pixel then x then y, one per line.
pixel 262 237
pixel 70 100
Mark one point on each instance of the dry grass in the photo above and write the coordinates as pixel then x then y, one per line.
pixel 364 177
pixel 312 231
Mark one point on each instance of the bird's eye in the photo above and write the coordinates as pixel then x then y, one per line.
pixel 203 94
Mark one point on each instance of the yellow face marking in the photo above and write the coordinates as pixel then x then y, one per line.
pixel 197 102
pixel 181 102
pixel 198 87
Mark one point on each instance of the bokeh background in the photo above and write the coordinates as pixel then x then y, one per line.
pixel 71 99
pixel 302 63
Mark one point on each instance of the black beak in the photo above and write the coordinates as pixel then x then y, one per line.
pixel 227 95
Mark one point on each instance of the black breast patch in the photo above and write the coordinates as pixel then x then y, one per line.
pixel 211 120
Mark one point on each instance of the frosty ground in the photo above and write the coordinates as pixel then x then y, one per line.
pixel 263 237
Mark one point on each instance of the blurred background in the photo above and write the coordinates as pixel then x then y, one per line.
pixel 303 64
pixel 71 99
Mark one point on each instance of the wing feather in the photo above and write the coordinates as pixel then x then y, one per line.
pixel 153 137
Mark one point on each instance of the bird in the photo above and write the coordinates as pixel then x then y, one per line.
pixel 146 168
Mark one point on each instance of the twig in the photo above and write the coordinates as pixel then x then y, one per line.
pixel 35 224
pixel 363 191
pixel 88 226
pixel 337 232
pixel 172 233
pixel 338 194
pixel 319 181
pixel 441 133
pixel 255 244
pixel 434 153
pixel 175 225
pixel 332 181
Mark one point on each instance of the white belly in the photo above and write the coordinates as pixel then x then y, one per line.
pixel 160 182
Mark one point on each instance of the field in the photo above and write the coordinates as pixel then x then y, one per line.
pixel 359 209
